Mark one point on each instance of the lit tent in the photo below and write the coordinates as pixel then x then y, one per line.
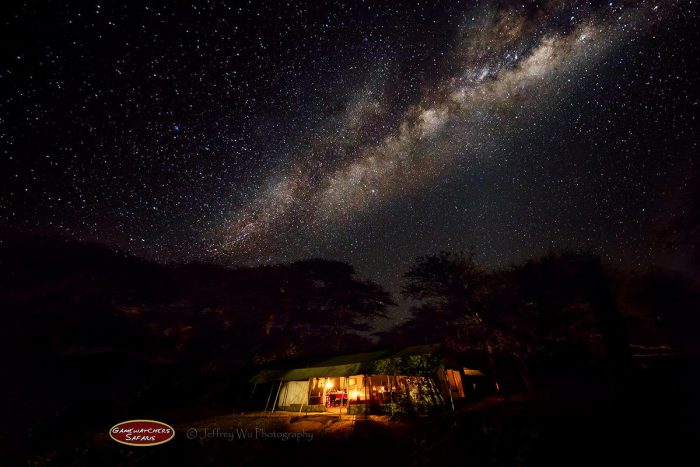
pixel 413 379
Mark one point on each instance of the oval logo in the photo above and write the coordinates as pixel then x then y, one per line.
pixel 142 432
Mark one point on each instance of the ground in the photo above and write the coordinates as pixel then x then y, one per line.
pixel 648 418
pixel 489 432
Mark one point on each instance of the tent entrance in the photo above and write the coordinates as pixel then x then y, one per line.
pixel 370 393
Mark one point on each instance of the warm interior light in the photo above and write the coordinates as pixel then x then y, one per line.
pixel 355 394
pixel 329 384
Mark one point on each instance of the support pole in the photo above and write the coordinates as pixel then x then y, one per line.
pixel 308 389
pixel 449 389
pixel 391 393
pixel 274 404
pixel 368 384
pixel 286 394
pixel 435 390
pixel 269 396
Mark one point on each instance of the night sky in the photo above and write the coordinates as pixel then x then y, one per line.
pixel 369 132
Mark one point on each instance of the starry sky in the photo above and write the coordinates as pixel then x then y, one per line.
pixel 366 131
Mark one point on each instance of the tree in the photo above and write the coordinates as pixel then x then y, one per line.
pixel 322 305
pixel 451 291
pixel 562 291
pixel 562 305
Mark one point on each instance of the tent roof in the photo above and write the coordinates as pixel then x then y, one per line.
pixel 345 365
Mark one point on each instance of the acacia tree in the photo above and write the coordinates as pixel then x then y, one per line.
pixel 536 300
pixel 452 294
pixel 554 305
pixel 256 315
pixel 323 306
pixel 470 309
pixel 569 296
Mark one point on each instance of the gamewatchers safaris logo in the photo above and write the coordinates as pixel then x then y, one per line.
pixel 142 432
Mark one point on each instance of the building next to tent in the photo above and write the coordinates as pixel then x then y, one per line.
pixel 414 379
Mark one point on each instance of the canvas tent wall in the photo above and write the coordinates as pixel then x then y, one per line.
pixel 414 375
pixel 293 393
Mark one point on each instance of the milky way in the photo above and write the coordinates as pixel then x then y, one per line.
pixel 504 64
pixel 370 132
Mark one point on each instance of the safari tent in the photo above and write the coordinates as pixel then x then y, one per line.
pixel 413 379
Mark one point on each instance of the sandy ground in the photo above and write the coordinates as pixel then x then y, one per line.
pixel 319 424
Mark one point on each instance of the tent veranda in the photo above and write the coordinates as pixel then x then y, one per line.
pixel 414 378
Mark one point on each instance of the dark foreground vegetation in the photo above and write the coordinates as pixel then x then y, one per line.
pixel 605 359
